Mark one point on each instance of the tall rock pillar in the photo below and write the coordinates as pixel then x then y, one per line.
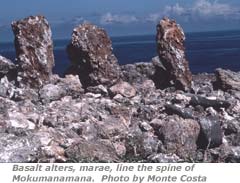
pixel 170 47
pixel 34 50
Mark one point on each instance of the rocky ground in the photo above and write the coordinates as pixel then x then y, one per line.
pixel 103 112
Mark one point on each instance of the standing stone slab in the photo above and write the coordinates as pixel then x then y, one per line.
pixel 34 50
pixel 170 47
pixel 90 51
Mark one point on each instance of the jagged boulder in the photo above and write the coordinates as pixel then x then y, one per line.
pixel 197 100
pixel 90 51
pixel 70 84
pixel 123 88
pixel 34 50
pixel 211 134
pixel 180 136
pixel 17 149
pixel 51 92
pixel 170 47
pixel 140 144
pixel 92 151
pixel 137 72
pixel 7 68
pixel 227 80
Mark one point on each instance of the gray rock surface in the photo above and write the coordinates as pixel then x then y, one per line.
pixel 164 158
pixel 123 88
pixel 137 73
pixel 227 80
pixel 205 102
pixel 92 151
pixel 180 136
pixel 211 134
pixel 18 149
pixel 7 68
pixel 51 92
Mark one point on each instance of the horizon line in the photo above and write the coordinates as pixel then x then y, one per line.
pixel 132 35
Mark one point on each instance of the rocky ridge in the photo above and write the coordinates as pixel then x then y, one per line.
pixel 119 113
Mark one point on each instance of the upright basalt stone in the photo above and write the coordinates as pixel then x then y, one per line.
pixel 34 50
pixel 170 47
pixel 90 51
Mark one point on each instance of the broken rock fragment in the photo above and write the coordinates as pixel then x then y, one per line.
pixel 227 80
pixel 180 136
pixel 211 134
pixel 7 68
pixel 123 88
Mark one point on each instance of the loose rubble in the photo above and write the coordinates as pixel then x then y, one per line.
pixel 115 115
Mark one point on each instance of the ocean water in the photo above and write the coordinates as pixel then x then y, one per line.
pixel 205 51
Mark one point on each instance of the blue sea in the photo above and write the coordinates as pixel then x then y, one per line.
pixel 205 51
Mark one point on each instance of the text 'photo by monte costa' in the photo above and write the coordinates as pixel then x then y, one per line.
pixel 140 81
